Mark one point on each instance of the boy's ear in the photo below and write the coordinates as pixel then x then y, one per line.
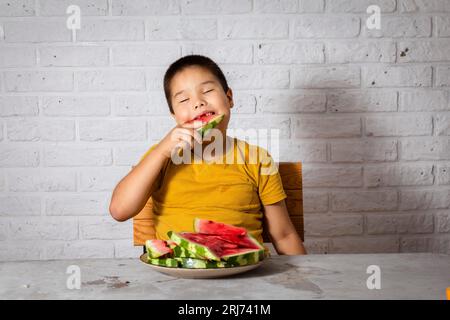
pixel 230 97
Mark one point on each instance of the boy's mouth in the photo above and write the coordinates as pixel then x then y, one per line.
pixel 203 115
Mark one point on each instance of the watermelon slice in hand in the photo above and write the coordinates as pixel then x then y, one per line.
pixel 209 121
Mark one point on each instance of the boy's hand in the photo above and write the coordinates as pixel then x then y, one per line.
pixel 182 136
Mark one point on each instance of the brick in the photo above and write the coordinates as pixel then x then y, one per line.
pixel 342 201
pixel 221 53
pixel 20 251
pixel 360 6
pixel 36 31
pixel 269 6
pixel 398 125
pixel 47 180
pixel 425 149
pixel 111 30
pixel 129 155
pixel 380 244
pixel 442 77
pixel 59 7
pixel 400 27
pixel 442 26
pixel 18 106
pixel 101 179
pixel 141 105
pixel 326 27
pixel 253 28
pixel 362 101
pixel 49 81
pixel 76 205
pixel 416 244
pixel 397 76
pixel 327 127
pixel 72 106
pixel 111 80
pixel 315 201
pixel 288 102
pixel 443 222
pixel 40 130
pixel 19 157
pixel 113 130
pixel 148 55
pixel 443 174
pixel 22 205
pixel 424 199
pixel 104 228
pixel 424 51
pixel 427 6
pixel 418 100
pixel 325 77
pixel 282 123
pixel 311 6
pixel 314 177
pixel 145 7
pixel 442 124
pixel 4 227
pixel 364 151
pixel 398 175
pixel 289 53
pixel 159 127
pixel 360 51
pixel 44 228
pixel 19 8
pixel 316 246
pixel 84 56
pixel 199 7
pixel 181 28
pixel 17 57
pixel 296 150
pixel 328 226
pixel 76 156
pixel 88 249
pixel 257 78
pixel 124 249
pixel 154 78
pixel 244 102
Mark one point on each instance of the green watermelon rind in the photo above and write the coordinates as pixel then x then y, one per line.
pixel 165 262
pixel 203 131
pixel 250 257
pixel 191 263
pixel 152 252
pixel 180 252
pixel 198 249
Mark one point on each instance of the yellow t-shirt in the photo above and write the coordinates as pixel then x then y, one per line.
pixel 230 193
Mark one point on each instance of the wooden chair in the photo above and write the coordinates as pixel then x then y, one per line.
pixel 291 176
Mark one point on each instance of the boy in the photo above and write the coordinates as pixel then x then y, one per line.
pixel 212 188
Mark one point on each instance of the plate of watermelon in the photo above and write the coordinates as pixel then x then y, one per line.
pixel 214 250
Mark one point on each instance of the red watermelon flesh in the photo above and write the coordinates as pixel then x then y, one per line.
pixel 204 117
pixel 217 228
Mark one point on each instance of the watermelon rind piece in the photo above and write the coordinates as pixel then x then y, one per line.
pixel 180 252
pixel 204 130
pixel 165 262
pixel 245 257
pixel 192 263
pixel 154 249
pixel 195 248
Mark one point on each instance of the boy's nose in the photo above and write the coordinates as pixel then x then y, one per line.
pixel 197 105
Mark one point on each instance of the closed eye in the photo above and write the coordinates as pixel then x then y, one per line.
pixel 208 91
pixel 184 100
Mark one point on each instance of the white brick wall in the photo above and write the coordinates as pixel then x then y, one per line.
pixel 366 111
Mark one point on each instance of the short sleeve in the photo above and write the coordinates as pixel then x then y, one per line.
pixel 270 186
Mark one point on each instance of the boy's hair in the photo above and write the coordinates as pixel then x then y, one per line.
pixel 188 61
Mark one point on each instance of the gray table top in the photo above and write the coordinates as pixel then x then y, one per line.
pixel 340 276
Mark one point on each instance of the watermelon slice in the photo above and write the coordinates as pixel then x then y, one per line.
pixel 165 262
pixel 218 228
pixel 157 248
pixel 209 122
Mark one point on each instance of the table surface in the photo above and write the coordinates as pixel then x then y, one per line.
pixel 339 276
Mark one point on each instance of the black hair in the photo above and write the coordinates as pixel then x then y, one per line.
pixel 188 61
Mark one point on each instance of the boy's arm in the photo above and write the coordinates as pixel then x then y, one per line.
pixel 133 191
pixel 284 236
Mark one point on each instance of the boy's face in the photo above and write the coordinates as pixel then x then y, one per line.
pixel 196 91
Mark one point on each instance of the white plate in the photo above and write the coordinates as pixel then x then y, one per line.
pixel 200 273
